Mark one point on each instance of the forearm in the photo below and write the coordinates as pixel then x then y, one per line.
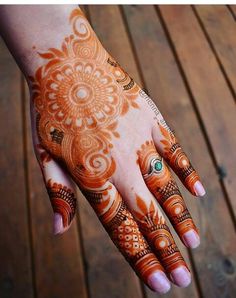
pixel 30 29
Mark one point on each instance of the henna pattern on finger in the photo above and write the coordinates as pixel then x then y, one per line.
pixel 164 188
pixel 123 230
pixel 177 159
pixel 63 201
pixel 153 226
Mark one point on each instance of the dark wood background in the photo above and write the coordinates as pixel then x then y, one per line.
pixel 186 58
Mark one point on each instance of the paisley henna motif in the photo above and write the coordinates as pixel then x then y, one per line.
pixel 79 94
pixel 177 159
pixel 63 201
pixel 164 188
pixel 154 228
pixel 123 230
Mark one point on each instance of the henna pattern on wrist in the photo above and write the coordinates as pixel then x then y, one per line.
pixel 63 201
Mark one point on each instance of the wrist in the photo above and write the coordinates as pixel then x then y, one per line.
pixel 44 27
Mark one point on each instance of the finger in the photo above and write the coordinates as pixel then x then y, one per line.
pixel 168 146
pixel 124 232
pixel 153 226
pixel 60 189
pixel 159 180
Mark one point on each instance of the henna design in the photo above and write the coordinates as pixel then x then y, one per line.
pixel 123 230
pixel 165 189
pixel 153 226
pixel 177 159
pixel 57 136
pixel 150 102
pixel 79 93
pixel 63 201
pixel 43 154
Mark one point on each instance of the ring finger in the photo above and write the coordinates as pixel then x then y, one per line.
pixel 159 180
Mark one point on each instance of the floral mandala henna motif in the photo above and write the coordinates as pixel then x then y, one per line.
pixel 79 94
pixel 164 188
pixel 153 226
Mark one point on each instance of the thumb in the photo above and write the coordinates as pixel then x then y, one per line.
pixel 60 188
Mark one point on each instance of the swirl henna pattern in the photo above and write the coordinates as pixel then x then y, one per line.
pixel 79 94
pixel 159 180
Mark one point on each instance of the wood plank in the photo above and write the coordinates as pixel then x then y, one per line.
pixel 212 95
pixel 221 29
pixel 114 36
pixel 165 85
pixel 233 10
pixel 58 259
pixel 15 273
pixel 109 275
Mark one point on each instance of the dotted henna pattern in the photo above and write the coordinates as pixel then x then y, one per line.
pixel 154 228
pixel 79 94
pixel 177 159
pixel 124 230
pixel 164 188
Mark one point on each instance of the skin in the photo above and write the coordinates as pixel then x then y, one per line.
pixel 92 125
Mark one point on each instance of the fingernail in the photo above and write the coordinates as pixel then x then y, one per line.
pixel 57 223
pixel 191 239
pixel 199 189
pixel 181 276
pixel 159 282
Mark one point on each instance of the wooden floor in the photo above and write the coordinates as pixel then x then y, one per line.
pixel 186 58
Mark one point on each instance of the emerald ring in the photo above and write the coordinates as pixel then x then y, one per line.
pixel 156 167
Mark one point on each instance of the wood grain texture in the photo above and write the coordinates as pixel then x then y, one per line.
pixel 220 27
pixel 15 249
pixel 232 8
pixel 58 260
pixel 168 90
pixel 185 59
pixel 208 87
pixel 212 95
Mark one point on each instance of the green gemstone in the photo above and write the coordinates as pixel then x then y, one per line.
pixel 158 165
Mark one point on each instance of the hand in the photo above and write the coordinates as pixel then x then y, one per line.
pixel 92 124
